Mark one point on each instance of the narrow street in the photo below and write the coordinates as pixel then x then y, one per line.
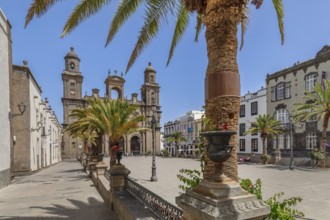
pixel 62 191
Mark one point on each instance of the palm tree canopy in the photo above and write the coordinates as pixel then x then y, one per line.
pixel 157 13
pixel 265 125
pixel 114 118
pixel 317 103
pixel 176 137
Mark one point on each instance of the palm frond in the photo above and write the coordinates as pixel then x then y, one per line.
pixel 124 11
pixel 156 13
pixel 38 8
pixel 279 8
pixel 199 25
pixel 83 10
pixel 180 27
pixel 244 21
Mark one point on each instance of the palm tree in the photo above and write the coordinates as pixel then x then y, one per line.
pixel 317 105
pixel 177 138
pixel 221 19
pixel 266 125
pixel 114 118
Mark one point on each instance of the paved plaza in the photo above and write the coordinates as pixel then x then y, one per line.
pixel 62 191
pixel 313 185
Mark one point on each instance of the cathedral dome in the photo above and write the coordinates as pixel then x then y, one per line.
pixel 149 68
pixel 72 54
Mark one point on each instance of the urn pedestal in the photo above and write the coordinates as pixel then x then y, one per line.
pixel 220 197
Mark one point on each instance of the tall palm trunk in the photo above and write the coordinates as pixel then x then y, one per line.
pixel 324 137
pixel 222 84
pixel 264 146
pixel 112 154
pixel 176 149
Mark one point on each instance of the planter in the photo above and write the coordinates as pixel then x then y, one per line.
pixel 218 150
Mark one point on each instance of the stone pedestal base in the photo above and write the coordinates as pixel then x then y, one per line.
pixel 221 202
pixel 117 177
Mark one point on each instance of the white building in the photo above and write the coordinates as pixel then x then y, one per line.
pixel 5 69
pixel 186 125
pixel 37 132
pixel 252 105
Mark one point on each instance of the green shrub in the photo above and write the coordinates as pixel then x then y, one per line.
pixel 283 210
pixel 189 178
pixel 252 188
pixel 264 158
pixel 316 156
pixel 165 153
pixel 278 209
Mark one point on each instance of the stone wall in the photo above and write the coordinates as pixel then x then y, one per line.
pixel 5 67
pixel 20 125
pixel 123 203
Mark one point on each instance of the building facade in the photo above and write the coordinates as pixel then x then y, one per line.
pixel 287 87
pixel 252 105
pixel 139 143
pixel 188 125
pixel 5 67
pixel 35 132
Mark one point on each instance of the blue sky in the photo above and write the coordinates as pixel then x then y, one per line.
pixel 182 83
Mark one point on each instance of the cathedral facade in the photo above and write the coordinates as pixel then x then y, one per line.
pixel 139 143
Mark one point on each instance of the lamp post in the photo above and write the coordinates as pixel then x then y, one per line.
pixel 291 165
pixel 153 167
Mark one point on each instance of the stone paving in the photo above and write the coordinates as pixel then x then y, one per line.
pixel 62 191
pixel 313 185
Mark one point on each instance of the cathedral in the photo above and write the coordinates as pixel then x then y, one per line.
pixel 139 143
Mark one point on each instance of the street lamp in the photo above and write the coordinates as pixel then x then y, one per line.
pixel 153 124
pixel 21 108
pixel 291 165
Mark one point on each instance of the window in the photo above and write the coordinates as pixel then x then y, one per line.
pixel 287 92
pixel 241 129
pixel 282 115
pixel 254 126
pixel 273 92
pixel 254 145
pixel 72 66
pixel 281 91
pixel 310 82
pixel 242 111
pixel 242 145
pixel 254 108
pixel 280 141
pixel 311 140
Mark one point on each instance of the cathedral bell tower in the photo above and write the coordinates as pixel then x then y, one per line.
pixel 72 78
pixel 150 88
pixel 150 98
pixel 72 99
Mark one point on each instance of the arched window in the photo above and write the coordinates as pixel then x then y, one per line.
pixel 282 115
pixel 72 66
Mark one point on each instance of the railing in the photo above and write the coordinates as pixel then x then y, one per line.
pixel 161 208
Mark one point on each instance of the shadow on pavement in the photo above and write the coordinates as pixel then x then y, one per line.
pixel 73 171
pixel 93 209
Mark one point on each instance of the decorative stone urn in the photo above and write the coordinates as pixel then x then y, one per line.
pixel 220 198
pixel 218 150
